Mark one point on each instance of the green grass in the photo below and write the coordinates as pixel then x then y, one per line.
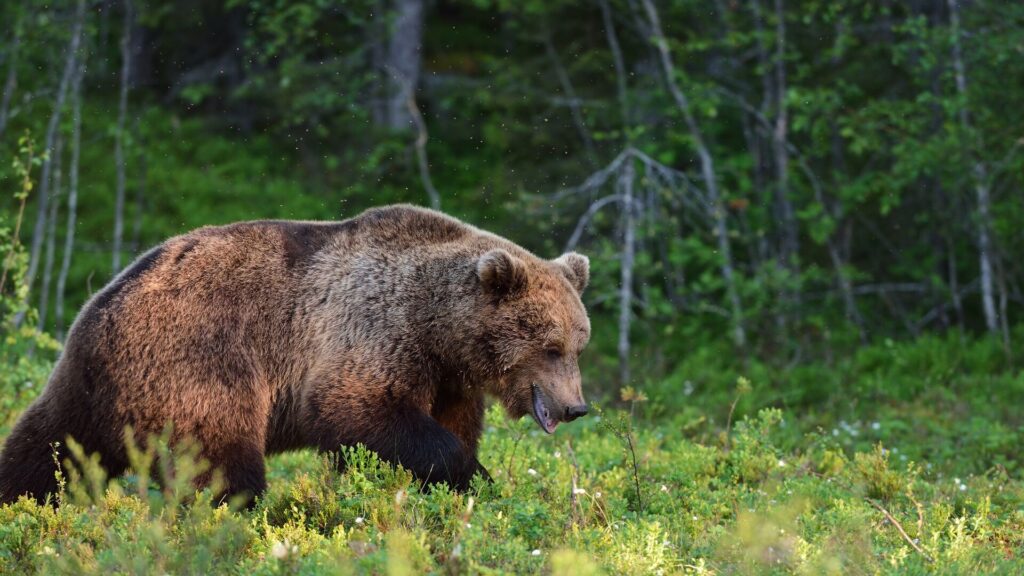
pixel 804 480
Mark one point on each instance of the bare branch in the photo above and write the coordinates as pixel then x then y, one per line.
pixel 584 220
pixel 421 137
pixel 899 528
pixel 572 100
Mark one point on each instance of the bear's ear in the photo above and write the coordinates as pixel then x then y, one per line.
pixel 576 268
pixel 501 273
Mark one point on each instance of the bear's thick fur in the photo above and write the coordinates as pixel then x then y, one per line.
pixel 385 329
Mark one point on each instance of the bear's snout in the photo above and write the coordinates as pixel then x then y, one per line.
pixel 574 412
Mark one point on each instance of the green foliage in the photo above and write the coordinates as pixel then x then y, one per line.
pixel 782 495
pixel 19 372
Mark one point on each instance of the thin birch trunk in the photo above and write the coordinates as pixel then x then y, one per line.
pixel 780 134
pixel 573 101
pixel 404 59
pixel 42 206
pixel 11 83
pixel 122 111
pixel 979 172
pixel 51 235
pixel 619 62
pixel 140 195
pixel 625 185
pixel 69 232
pixel 707 174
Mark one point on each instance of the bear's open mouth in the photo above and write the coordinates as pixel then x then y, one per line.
pixel 541 413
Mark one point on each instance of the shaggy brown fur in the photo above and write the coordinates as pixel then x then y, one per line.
pixel 385 329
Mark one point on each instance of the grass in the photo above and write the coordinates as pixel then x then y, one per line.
pixel 901 458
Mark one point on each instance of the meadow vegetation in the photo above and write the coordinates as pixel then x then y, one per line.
pixel 908 464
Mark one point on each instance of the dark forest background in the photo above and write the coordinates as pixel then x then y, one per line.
pixel 787 180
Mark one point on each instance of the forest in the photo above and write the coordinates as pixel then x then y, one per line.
pixel 802 219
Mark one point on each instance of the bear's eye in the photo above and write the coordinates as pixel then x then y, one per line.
pixel 553 353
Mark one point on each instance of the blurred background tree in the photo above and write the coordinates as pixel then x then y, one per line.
pixel 783 179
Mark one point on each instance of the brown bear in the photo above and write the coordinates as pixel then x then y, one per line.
pixel 385 329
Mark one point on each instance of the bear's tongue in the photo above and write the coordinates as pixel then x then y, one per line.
pixel 541 414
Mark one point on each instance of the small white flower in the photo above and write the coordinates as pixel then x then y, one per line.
pixel 782 463
pixel 664 488
pixel 360 520
pixel 956 480
pixel 468 525
pixel 279 550
pixel 876 425
pixel 531 472
pixel 597 494
pixel 963 487
pixel 695 518
pixel 536 552
pixel 578 491
pixel 558 453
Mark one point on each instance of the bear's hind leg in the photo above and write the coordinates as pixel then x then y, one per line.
pixel 246 474
pixel 243 470
pixel 27 462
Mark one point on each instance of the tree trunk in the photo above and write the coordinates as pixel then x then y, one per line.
pixel 979 173
pixel 69 232
pixel 11 83
pixel 570 95
pixel 42 204
pixel 51 234
pixel 625 185
pixel 790 235
pixel 403 61
pixel 775 87
pixel 122 112
pixel 619 63
pixel 707 167
pixel 140 196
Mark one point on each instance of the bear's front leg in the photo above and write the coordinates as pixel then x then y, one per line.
pixel 401 434
pixel 463 416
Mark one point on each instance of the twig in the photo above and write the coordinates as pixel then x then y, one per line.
pixel 421 138
pixel 902 532
pixel 728 422
pixel 573 101
pixel 920 513
pixel 584 220
pixel 636 470
pixel 511 457
pixel 573 501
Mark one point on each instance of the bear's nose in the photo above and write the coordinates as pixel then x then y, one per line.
pixel 574 412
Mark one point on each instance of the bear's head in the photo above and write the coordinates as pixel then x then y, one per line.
pixel 534 328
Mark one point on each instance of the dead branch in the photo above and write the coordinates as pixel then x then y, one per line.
pixel 899 528
pixel 421 137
